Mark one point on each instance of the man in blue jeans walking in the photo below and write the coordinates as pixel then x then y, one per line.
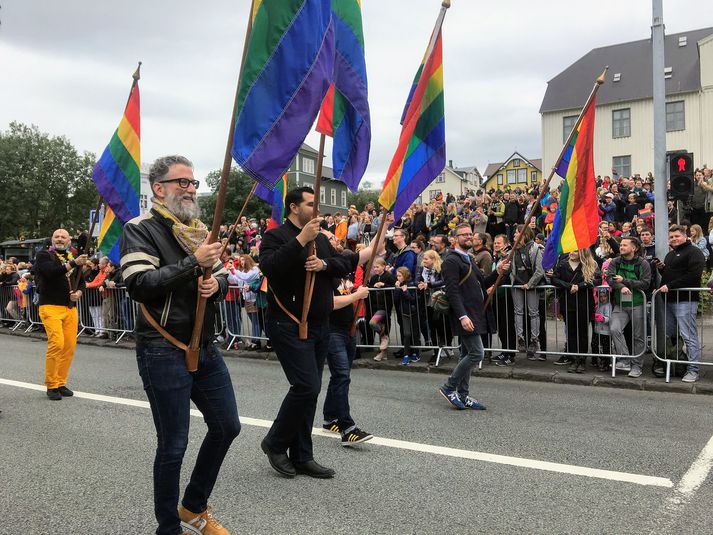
pixel 163 254
pixel 683 268
pixel 465 288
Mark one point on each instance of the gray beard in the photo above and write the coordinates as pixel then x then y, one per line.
pixel 184 213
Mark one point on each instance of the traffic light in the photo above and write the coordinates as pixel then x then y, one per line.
pixel 680 172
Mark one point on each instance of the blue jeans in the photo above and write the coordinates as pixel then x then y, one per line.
pixel 471 353
pixel 303 363
pixel 342 349
pixel 232 309
pixel 255 325
pixel 683 314
pixel 170 389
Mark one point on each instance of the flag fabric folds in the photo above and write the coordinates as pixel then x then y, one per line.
pixel 287 71
pixel 276 198
pixel 117 176
pixel 421 152
pixel 345 110
pixel 576 220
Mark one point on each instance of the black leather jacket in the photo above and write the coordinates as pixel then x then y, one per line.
pixel 159 274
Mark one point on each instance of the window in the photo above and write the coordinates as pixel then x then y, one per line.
pixel 322 196
pixel 621 165
pixel 621 123
pixel 434 193
pixel 533 177
pixel 344 199
pixel 333 196
pixel 522 176
pixel 308 165
pixel 511 176
pixel 516 162
pixel 500 179
pixel 440 179
pixel 675 116
pixel 567 125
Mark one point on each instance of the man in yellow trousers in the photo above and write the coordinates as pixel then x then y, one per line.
pixel 56 276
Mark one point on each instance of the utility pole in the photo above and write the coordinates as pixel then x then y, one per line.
pixel 660 167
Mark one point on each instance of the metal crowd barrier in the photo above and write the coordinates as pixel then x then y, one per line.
pixel 240 325
pixel 12 306
pixel 665 349
pixel 108 314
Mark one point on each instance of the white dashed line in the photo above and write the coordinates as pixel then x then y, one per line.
pixel 690 482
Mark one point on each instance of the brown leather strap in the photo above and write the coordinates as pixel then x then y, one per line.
pixel 283 307
pixel 163 332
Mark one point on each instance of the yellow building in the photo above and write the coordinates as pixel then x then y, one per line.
pixel 515 172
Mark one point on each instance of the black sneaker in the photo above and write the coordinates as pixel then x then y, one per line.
pixel 53 394
pixel 355 436
pixel 65 392
pixel 563 361
pixel 542 357
pixel 333 427
pixel 504 360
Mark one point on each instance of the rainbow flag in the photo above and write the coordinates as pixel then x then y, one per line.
pixel 645 212
pixel 421 152
pixel 117 175
pixel 576 220
pixel 345 110
pixel 276 198
pixel 287 71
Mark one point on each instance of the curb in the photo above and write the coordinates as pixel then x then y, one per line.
pixel 544 375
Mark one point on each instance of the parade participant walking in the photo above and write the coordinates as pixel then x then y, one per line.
pixel 465 287
pixel 55 271
pixel 342 350
pixel 285 259
pixel 163 254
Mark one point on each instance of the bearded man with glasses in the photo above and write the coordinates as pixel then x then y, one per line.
pixel 163 254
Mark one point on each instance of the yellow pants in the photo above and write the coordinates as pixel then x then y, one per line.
pixel 61 326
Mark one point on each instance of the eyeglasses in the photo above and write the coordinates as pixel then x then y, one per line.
pixel 183 183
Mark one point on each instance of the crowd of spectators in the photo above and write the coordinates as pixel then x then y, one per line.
pixel 594 295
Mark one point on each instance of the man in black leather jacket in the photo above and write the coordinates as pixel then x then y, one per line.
pixel 163 253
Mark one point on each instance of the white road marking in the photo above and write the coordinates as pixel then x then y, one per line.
pixel 693 478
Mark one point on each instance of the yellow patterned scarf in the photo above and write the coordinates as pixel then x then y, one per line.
pixel 190 236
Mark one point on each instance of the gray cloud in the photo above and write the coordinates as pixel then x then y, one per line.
pixel 66 67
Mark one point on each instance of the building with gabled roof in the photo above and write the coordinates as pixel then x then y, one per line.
pixel 623 138
pixel 515 172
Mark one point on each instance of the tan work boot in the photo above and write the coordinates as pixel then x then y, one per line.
pixel 382 355
pixel 200 523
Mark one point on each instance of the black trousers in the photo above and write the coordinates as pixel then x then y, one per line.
pixel 303 363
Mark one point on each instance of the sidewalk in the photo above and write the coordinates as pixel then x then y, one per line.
pixel 523 370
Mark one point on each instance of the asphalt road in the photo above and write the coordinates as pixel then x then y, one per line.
pixel 83 466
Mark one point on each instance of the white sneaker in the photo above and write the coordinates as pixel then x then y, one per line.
pixel 623 365
pixel 690 377
pixel 382 355
pixel 635 372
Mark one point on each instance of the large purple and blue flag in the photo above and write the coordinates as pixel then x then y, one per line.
pixel 345 111
pixel 276 198
pixel 287 70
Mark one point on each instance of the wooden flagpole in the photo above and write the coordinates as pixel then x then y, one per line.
pixel 597 84
pixel 193 351
pixel 237 219
pixel 312 247
pixel 367 272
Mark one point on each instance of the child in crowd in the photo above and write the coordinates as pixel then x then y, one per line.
pixel 380 305
pixel 405 302
pixel 601 339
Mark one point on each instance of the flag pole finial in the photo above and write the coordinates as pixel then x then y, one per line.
pixel 137 73
pixel 600 80
pixel 446 3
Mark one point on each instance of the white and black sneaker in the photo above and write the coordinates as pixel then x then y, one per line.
pixel 355 436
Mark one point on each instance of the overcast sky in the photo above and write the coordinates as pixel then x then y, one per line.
pixel 66 67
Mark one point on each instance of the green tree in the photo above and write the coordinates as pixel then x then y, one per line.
pixel 45 183
pixel 362 197
pixel 239 186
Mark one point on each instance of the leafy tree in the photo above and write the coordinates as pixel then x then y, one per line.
pixel 239 186
pixel 45 183
pixel 362 197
